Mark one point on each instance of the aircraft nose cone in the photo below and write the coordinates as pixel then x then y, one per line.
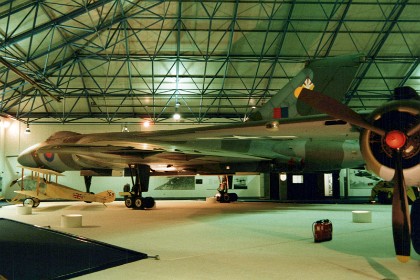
pixel 26 158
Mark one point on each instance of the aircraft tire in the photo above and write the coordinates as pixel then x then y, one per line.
pixel 224 198
pixel 29 202
pixel 148 202
pixel 129 202
pixel 233 197
pixel 138 203
pixel 415 225
pixel 36 202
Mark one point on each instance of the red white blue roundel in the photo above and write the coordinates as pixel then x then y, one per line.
pixel 49 157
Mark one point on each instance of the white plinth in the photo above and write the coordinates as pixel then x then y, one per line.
pixel 362 216
pixel 24 210
pixel 71 221
pixel 211 199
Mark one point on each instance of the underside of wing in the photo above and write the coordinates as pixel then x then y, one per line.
pixel 36 194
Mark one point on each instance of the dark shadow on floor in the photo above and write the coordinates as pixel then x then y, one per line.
pixel 31 252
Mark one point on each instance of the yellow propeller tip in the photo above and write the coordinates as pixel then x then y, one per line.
pixel 403 259
pixel 297 91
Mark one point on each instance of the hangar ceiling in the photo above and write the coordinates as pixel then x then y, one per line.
pixel 119 61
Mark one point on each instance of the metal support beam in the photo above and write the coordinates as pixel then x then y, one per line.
pixel 28 79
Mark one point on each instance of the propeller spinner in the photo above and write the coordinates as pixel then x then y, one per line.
pixel 395 139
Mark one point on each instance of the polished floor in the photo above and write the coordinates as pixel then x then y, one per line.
pixel 241 240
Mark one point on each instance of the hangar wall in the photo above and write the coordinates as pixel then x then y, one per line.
pixel 358 185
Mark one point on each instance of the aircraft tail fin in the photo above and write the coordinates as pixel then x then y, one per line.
pixel 331 76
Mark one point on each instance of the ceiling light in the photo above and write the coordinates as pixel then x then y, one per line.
pixel 5 123
pixel 177 116
pixel 27 130
pixel 146 124
pixel 125 129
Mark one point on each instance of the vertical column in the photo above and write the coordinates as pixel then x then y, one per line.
pixel 283 186
pixel 265 185
pixel 336 185
pixel 274 186
pixel 347 184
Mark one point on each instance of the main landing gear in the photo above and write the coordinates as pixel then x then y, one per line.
pixel 138 202
pixel 88 182
pixel 140 179
pixel 223 196
pixel 31 202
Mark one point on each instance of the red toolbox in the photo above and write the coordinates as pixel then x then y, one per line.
pixel 322 230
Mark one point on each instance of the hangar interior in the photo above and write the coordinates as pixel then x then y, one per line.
pixel 91 66
pixel 132 65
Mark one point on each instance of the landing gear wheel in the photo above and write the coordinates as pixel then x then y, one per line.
pixel 29 202
pixel 138 203
pixel 129 202
pixel 233 197
pixel 223 197
pixel 36 202
pixel 148 202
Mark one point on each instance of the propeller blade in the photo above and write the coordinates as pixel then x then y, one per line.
pixel 413 130
pixel 401 227
pixel 13 182
pixel 334 108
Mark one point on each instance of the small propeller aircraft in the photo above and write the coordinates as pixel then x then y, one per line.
pixel 46 188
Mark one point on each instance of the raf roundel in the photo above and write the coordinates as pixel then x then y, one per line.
pixel 49 157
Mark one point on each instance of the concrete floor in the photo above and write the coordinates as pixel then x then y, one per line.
pixel 241 240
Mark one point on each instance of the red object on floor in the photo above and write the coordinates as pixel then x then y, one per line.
pixel 322 230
